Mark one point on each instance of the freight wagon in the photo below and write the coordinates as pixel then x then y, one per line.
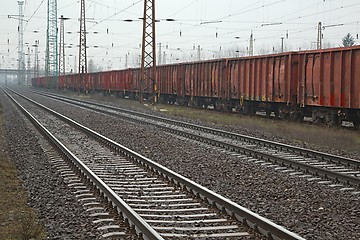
pixel 329 85
pixel 321 84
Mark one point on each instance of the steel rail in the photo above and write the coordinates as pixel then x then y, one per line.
pixel 317 171
pixel 244 215
pixel 143 229
pixel 280 146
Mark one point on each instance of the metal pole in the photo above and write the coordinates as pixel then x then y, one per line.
pixel 159 61
pixel 62 65
pixel 199 53
pixel 21 44
pixel 52 40
pixel 148 50
pixel 319 44
pixel 82 48
pixel 251 47
pixel 36 62
pixel 28 68
pixel 8 59
pixel 75 64
pixel 126 61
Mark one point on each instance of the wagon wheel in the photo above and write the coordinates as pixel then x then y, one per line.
pixel 239 109
pixel 228 107
pixel 317 119
pixel 331 119
pixel 181 101
pixel 297 116
pixel 356 124
pixel 268 112
pixel 300 117
pixel 277 113
pixel 249 110
pixel 164 99
pixel 193 103
pixel 221 108
pixel 218 106
pixel 283 114
pixel 206 105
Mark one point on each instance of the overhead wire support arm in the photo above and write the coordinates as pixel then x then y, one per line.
pixel 18 17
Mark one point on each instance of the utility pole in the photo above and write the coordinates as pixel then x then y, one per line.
pixel 62 65
pixel 82 48
pixel 51 67
pixel 159 61
pixel 28 78
pixel 46 55
pixel 148 53
pixel 164 57
pixel 319 36
pixel 8 59
pixel 282 44
pixel 36 62
pixel 21 44
pixel 251 47
pixel 126 61
pixel 75 66
pixel 199 53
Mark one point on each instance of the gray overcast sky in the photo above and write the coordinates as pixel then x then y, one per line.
pixel 212 24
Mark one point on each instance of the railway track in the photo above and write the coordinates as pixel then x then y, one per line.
pixel 336 171
pixel 156 202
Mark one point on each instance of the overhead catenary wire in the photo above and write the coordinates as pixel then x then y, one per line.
pixel 285 21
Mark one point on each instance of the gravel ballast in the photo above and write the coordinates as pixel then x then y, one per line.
pixel 308 208
pixel 57 208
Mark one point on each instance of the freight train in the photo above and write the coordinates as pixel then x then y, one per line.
pixel 320 84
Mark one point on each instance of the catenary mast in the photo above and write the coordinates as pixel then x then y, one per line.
pixel 21 63
pixel 82 48
pixel 51 67
pixel 148 53
pixel 62 46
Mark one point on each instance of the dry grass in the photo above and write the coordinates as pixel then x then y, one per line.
pixel 17 219
pixel 302 133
